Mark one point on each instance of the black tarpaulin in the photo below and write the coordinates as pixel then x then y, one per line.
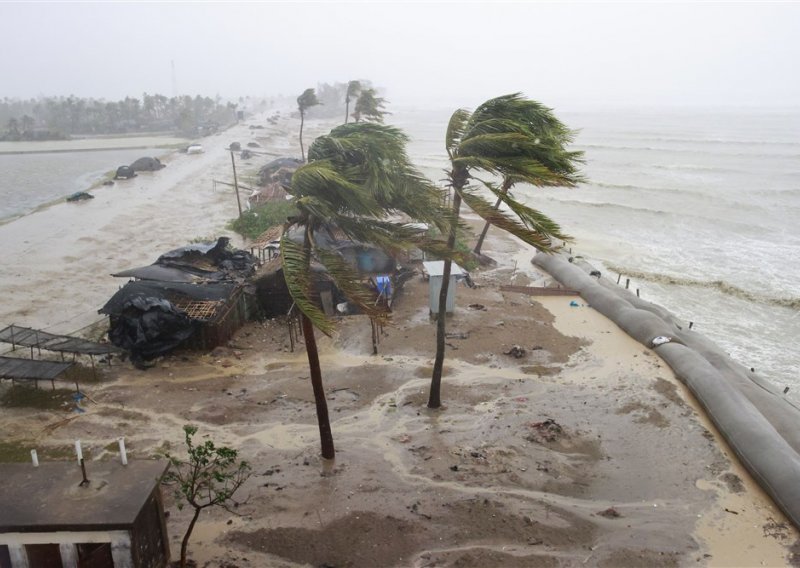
pixel 153 318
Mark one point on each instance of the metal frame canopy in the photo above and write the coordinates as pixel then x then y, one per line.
pixel 28 369
pixel 28 337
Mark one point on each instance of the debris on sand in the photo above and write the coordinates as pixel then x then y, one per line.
pixel 516 352
pixel 546 431
pixel 80 196
pixel 610 513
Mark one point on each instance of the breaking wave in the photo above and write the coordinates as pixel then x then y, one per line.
pixel 717 285
pixel 777 155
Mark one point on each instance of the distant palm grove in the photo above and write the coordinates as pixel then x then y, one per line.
pixel 60 117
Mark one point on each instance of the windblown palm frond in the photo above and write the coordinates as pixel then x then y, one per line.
pixel 332 190
pixel 520 168
pixel 531 218
pixel 525 231
pixel 455 130
pixel 374 156
pixel 296 262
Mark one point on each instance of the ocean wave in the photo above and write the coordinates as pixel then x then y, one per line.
pixel 642 188
pixel 726 288
pixel 722 141
pixel 779 155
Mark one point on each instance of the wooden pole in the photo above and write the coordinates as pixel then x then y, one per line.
pixel 236 185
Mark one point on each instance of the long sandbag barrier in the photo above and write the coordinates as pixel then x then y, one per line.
pixel 761 426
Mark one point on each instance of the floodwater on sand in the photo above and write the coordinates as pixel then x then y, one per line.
pixel 518 468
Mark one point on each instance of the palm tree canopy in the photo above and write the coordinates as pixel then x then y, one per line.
pixel 374 156
pixel 353 88
pixel 357 176
pixel 307 100
pixel 519 140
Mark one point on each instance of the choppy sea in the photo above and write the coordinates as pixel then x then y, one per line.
pixel 700 209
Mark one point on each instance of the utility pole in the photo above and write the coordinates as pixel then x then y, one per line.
pixel 236 185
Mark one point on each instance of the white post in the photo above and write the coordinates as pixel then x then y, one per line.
pixel 123 455
pixel 34 458
pixel 78 450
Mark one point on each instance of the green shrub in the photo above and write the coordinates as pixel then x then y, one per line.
pixel 254 222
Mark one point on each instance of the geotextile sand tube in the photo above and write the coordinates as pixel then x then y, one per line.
pixel 761 426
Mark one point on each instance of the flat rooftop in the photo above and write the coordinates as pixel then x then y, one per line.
pixel 50 498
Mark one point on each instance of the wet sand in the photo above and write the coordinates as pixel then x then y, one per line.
pixel 583 451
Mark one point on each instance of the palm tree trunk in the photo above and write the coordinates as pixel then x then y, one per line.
pixel 346 109
pixel 185 541
pixel 302 151
pixel 435 398
pixel 325 433
pixel 503 190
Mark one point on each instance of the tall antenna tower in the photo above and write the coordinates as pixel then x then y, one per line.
pixel 174 80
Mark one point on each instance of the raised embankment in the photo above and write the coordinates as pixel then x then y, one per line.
pixel 761 426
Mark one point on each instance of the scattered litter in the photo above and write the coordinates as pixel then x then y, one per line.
pixel 80 196
pixel 477 307
pixel 547 431
pixel 516 351
pixel 574 304
pixel 661 340
pixel 457 335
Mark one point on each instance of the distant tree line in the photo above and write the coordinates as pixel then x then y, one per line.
pixel 59 117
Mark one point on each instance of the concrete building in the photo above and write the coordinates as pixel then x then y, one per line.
pixel 49 518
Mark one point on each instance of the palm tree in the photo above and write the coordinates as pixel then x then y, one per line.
pixel 304 102
pixel 353 88
pixel 497 139
pixel 356 176
pixel 369 106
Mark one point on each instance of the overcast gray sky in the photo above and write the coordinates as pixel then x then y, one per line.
pixel 565 54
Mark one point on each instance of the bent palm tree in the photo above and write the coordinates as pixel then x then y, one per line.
pixel 356 176
pixel 497 139
pixel 353 88
pixel 304 102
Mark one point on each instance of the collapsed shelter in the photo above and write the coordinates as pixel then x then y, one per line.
pixel 194 297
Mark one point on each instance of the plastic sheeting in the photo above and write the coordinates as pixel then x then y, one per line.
pixel 146 322
pixel 760 425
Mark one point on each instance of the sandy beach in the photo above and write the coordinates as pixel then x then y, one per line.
pixel 586 450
